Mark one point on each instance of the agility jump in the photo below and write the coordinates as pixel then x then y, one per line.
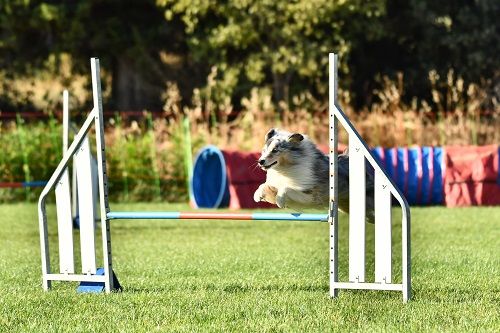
pixel 104 277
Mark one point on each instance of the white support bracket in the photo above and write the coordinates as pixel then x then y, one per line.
pixel 90 273
pixel 384 190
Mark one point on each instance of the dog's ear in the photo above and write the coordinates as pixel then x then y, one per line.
pixel 295 138
pixel 272 132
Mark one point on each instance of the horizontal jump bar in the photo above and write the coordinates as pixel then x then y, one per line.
pixel 218 216
pixel 75 277
pixel 367 286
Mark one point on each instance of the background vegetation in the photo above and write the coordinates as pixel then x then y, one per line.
pixel 412 72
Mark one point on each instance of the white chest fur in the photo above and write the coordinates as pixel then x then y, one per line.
pixel 298 177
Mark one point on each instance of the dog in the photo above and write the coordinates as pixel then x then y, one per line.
pixel 298 175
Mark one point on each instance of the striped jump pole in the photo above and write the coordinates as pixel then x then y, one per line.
pixel 217 216
pixel 103 279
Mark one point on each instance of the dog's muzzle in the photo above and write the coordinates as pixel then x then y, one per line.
pixel 265 167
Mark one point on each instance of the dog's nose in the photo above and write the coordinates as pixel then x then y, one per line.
pixel 261 162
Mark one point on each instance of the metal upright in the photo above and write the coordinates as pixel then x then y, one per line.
pixel 384 189
pixel 86 195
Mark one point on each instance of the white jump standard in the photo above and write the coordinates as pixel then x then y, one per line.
pixel 359 153
pixel 384 190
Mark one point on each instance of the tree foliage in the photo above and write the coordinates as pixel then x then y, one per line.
pixel 423 35
pixel 278 45
pixel 29 33
pixel 126 35
pixel 276 42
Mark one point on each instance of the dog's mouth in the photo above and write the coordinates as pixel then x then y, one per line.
pixel 266 167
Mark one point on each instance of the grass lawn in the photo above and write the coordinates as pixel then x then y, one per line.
pixel 190 276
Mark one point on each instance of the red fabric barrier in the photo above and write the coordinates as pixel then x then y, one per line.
pixel 244 177
pixel 471 176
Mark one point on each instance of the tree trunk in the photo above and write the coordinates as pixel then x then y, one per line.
pixel 126 89
pixel 281 84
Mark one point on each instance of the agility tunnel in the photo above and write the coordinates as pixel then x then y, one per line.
pixel 223 178
pixel 451 176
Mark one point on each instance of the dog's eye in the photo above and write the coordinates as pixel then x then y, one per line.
pixel 274 150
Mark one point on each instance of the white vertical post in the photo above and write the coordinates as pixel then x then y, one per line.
pixel 95 185
pixel 44 243
pixel 333 180
pixel 357 210
pixel 74 191
pixel 406 244
pixel 65 120
pixel 102 175
pixel 63 206
pixel 383 218
pixel 86 207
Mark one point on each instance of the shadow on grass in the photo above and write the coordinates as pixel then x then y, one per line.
pixel 433 295
pixel 454 295
pixel 232 288
pixel 181 226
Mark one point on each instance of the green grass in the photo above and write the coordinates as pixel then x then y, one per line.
pixel 185 276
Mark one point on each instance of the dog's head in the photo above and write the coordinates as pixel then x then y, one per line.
pixel 278 147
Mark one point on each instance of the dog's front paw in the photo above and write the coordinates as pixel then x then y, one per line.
pixel 280 201
pixel 258 195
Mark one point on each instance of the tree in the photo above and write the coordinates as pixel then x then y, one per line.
pixel 128 36
pixel 274 42
pixel 29 33
pixel 424 35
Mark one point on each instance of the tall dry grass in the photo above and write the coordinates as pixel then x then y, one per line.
pixel 458 114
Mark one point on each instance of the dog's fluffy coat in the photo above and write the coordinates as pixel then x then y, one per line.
pixel 298 174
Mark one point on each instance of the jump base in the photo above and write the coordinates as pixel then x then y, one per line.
pixel 98 287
